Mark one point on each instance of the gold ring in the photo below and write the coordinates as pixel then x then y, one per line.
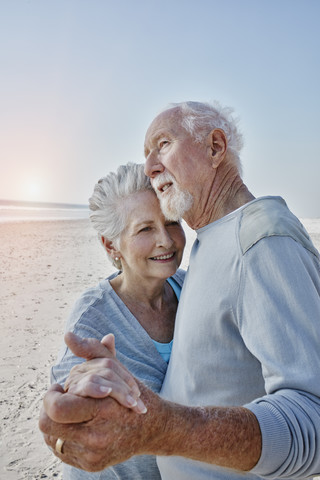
pixel 59 445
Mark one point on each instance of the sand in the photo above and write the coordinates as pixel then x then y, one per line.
pixel 44 266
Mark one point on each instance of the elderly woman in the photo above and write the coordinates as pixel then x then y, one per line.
pixel 138 303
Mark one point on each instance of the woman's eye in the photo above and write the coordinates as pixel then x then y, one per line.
pixel 145 229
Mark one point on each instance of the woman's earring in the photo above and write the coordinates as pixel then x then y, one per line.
pixel 116 259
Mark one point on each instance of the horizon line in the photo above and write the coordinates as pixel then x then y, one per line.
pixel 5 201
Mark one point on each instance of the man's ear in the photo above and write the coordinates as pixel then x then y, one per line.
pixel 217 146
pixel 109 247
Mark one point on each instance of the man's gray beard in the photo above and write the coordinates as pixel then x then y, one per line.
pixel 176 203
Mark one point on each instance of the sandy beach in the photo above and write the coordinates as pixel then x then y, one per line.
pixel 44 266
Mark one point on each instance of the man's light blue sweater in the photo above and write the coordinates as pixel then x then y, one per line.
pixel 248 333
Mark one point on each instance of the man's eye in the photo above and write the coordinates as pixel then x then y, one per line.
pixel 163 143
pixel 145 229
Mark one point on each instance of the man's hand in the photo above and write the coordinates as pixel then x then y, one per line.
pixel 98 433
pixel 102 375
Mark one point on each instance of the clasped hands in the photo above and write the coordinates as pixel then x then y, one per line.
pixel 93 433
pixel 102 375
pixel 98 414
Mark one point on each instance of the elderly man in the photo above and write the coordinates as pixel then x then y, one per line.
pixel 244 371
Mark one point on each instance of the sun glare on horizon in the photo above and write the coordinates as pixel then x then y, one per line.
pixel 33 190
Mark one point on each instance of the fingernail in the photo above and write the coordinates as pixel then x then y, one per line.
pixel 106 390
pixel 141 406
pixel 131 401
pixel 135 391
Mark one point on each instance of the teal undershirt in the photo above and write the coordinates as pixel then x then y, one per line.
pixel 165 348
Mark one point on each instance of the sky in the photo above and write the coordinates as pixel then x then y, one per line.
pixel 81 80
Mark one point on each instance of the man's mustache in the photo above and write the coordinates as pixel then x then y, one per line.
pixel 161 179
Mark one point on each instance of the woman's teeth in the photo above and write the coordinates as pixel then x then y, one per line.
pixel 163 257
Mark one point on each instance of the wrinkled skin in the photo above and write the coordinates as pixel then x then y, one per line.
pixel 99 432
pixel 108 433
pixel 104 425
pixel 101 376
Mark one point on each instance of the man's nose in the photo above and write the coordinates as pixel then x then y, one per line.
pixel 153 166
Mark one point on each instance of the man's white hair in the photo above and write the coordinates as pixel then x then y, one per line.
pixel 109 214
pixel 199 119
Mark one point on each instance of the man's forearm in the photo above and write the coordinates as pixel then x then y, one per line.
pixel 228 437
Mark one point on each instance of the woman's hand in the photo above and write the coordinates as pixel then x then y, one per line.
pixel 102 375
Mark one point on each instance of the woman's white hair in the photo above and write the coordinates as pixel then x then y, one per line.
pixel 199 119
pixel 107 203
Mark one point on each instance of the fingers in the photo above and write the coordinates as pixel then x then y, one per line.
pixel 90 386
pixel 97 420
pixel 100 378
pixel 92 349
pixel 101 361
pixel 69 432
pixel 87 348
pixel 64 408
pixel 96 386
pixel 73 452
pixel 78 455
pixel 109 342
pixel 108 368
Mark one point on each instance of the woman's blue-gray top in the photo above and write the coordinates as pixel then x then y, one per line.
pixel 97 312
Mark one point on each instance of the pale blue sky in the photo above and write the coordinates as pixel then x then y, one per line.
pixel 82 79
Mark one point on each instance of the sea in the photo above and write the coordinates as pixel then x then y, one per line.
pixel 18 211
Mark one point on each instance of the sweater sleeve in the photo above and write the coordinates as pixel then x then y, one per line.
pixel 282 330
pixel 81 324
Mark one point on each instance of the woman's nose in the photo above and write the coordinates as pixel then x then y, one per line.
pixel 164 239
